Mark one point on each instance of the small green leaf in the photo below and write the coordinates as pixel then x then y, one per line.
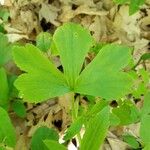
pixel 19 108
pixel 7 131
pixel 131 140
pixel 145 129
pixel 97 47
pixel 97 107
pixel 74 128
pixel 4 14
pixel 41 134
pixel 4 89
pixel 103 76
pixel 114 120
pixel 135 5
pixel 145 56
pixel 72 42
pixel 2 29
pixel 127 113
pixel 5 50
pixel 146 106
pixel 13 92
pixel 43 41
pixel 42 80
pixel 53 145
pixel 96 131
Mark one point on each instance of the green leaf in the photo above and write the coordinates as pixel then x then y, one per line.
pixel 140 90
pixel 97 107
pixel 2 29
pixel 147 147
pixel 4 89
pixel 96 131
pixel 72 42
pixel 2 147
pixel 145 129
pixel 13 92
pixel 19 108
pixel 7 131
pixel 145 56
pixel 41 134
pixel 103 76
pixel 131 140
pixel 145 75
pixel 53 49
pixel 114 120
pixel 74 128
pixel 43 41
pixel 146 106
pixel 4 14
pixel 134 5
pixel 42 80
pixel 97 47
pixel 5 50
pixel 127 113
pixel 53 145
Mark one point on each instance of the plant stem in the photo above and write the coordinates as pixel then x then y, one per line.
pixel 73 107
pixel 75 114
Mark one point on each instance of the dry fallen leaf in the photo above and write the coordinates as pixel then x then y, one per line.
pixel 50 14
pixel 117 144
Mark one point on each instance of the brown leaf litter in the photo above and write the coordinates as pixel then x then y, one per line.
pixel 107 23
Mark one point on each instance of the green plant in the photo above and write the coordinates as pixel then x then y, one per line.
pixel 103 77
pixel 42 134
pixel 105 68
pixel 44 41
pixel 4 15
pixel 7 95
pixel 145 122
pixel 134 5
pixel 7 131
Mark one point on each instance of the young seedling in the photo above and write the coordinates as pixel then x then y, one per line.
pixel 103 77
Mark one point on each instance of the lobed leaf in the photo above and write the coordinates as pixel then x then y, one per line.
pixel 72 42
pixel 42 80
pixel 104 76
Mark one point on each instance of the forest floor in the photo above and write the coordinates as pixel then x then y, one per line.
pixel 107 22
